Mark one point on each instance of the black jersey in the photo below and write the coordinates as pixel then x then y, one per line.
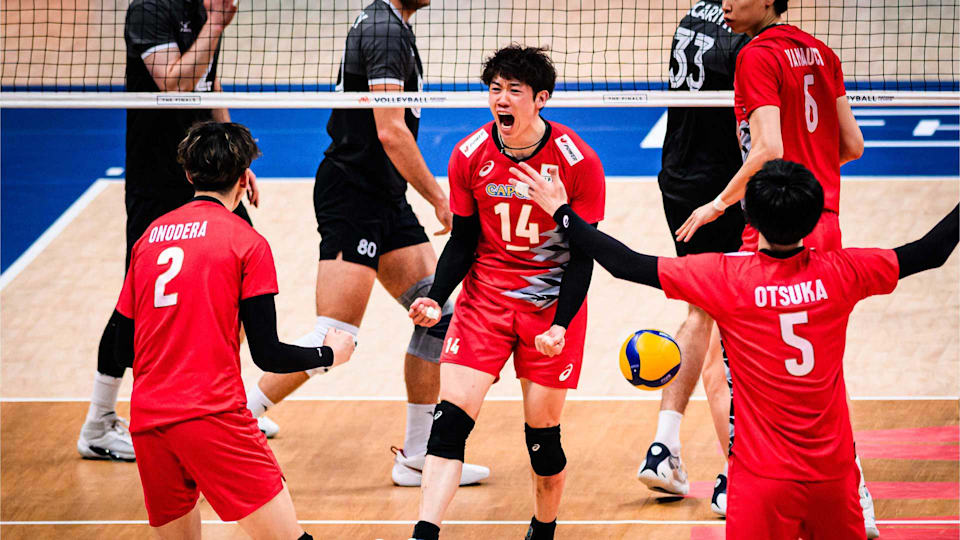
pixel 380 49
pixel 700 151
pixel 153 134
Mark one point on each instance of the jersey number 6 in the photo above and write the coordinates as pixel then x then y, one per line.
pixel 805 365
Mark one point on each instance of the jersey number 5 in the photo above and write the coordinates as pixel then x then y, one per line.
pixel 805 365
pixel 173 255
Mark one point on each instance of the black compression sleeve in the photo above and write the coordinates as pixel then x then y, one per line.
pixel 573 288
pixel 259 316
pixel 457 257
pixel 618 259
pixel 123 336
pixel 933 249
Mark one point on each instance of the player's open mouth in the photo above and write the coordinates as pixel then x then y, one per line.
pixel 506 120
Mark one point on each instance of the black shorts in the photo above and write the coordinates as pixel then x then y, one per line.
pixel 143 209
pixel 357 224
pixel 720 236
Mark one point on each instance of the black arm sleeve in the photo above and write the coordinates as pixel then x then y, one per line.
pixel 123 345
pixel 618 259
pixel 457 257
pixel 573 288
pixel 259 317
pixel 933 249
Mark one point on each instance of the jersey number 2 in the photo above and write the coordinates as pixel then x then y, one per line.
pixel 805 365
pixel 173 255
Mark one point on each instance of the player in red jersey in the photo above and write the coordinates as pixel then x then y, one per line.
pixel 782 314
pixel 194 275
pixel 524 289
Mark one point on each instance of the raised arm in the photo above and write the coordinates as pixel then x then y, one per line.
pixel 933 249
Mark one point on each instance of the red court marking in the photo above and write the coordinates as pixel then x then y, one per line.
pixel 945 452
pixel 901 435
pixel 879 490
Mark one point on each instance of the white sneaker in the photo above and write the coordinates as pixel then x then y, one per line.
pixel 268 427
pixel 408 470
pixel 106 437
pixel 662 471
pixel 718 503
pixel 869 519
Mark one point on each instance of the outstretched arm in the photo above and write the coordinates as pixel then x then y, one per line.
pixel 933 249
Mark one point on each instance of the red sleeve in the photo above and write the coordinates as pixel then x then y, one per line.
pixel 839 90
pixel 869 272
pixel 758 78
pixel 462 202
pixel 695 279
pixel 259 274
pixel 127 301
pixel 589 189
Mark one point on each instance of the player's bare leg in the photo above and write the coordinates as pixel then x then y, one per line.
pixel 466 388
pixel 342 292
pixel 275 520
pixel 542 408
pixel 662 469
pixel 186 527
pixel 718 397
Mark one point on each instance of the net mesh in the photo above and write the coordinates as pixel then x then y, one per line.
pixel 296 45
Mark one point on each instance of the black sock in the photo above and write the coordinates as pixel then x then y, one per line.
pixel 424 530
pixel 305 536
pixel 541 531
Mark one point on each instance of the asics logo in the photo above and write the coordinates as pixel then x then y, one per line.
pixel 438 415
pixel 487 167
pixel 566 372
pixel 534 448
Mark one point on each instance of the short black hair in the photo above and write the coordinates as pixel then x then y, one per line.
pixel 780 6
pixel 216 154
pixel 783 201
pixel 529 65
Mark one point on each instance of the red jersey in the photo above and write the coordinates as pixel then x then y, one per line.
pixel 783 323
pixel 788 68
pixel 522 254
pixel 187 275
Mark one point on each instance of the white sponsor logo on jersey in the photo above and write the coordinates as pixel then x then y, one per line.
pixel 487 167
pixel 566 372
pixel 568 149
pixel 474 142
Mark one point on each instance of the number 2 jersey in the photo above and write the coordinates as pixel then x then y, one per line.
pixel 788 68
pixel 521 254
pixel 783 323
pixel 187 275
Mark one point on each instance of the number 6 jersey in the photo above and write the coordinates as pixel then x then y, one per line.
pixel 187 275
pixel 521 254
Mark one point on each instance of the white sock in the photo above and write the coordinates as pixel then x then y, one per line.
pixel 668 430
pixel 257 401
pixel 104 398
pixel 419 421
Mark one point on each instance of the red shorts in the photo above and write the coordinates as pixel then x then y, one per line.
pixel 824 237
pixel 482 335
pixel 223 455
pixel 759 507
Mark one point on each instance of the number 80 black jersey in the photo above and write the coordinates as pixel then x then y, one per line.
pixel 700 150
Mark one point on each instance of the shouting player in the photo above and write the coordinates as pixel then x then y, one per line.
pixel 195 275
pixel 782 314
pixel 700 154
pixel 790 103
pixel 524 289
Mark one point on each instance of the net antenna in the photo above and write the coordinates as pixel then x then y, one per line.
pixel 287 53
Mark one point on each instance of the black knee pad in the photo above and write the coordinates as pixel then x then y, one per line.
pixel 546 454
pixel 448 435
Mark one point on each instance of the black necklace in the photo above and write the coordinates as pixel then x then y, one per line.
pixel 503 145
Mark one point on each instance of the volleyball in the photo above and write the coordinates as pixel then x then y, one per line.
pixel 649 359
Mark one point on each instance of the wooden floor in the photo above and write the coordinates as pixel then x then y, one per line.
pixel 334 445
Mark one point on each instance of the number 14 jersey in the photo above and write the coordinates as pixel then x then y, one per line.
pixel 521 254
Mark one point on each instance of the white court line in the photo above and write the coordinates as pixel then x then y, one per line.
pixel 51 233
pixel 470 522
pixel 904 112
pixel 912 144
pixel 651 397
